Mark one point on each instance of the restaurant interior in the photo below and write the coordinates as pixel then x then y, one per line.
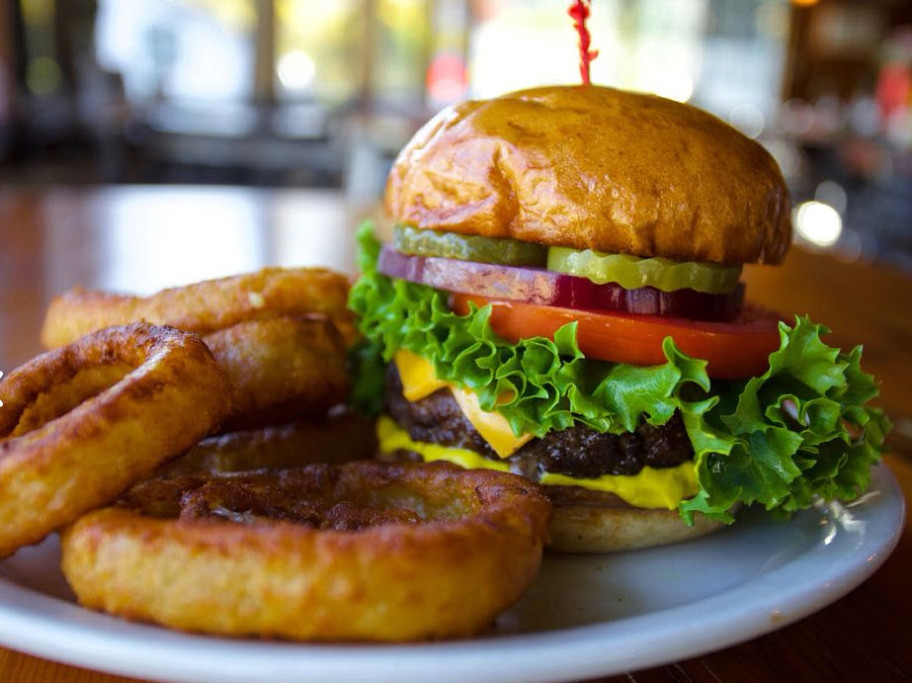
pixel 294 93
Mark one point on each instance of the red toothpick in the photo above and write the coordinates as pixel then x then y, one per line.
pixel 579 10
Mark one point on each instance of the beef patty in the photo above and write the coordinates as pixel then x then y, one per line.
pixel 579 451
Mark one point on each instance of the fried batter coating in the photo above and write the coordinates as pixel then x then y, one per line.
pixel 359 552
pixel 279 334
pixel 83 422
pixel 337 438
pixel 281 368
pixel 204 307
pixel 263 502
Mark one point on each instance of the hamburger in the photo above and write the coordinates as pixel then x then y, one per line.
pixel 561 298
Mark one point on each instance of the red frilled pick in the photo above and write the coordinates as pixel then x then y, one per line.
pixel 579 11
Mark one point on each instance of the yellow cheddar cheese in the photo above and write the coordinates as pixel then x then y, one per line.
pixel 419 381
pixel 417 375
pixel 493 427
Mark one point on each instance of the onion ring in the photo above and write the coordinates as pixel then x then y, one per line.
pixel 359 552
pixel 204 307
pixel 337 438
pixel 83 422
pixel 281 368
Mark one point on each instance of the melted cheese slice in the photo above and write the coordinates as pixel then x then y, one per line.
pixel 493 427
pixel 417 376
pixel 419 381
pixel 650 488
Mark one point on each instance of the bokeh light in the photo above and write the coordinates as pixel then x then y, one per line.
pixel 817 223
pixel 296 70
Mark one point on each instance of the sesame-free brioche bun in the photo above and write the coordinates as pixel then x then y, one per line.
pixel 597 522
pixel 590 167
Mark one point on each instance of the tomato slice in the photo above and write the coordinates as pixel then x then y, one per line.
pixel 733 350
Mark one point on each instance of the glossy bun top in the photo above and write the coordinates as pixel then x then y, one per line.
pixel 598 168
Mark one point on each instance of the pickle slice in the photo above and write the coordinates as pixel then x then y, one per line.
pixel 632 272
pixel 507 252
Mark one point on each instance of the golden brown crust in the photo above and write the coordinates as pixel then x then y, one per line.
pixel 590 167
pixel 81 423
pixel 476 550
pixel 281 368
pixel 595 522
pixel 336 439
pixel 280 335
pixel 204 307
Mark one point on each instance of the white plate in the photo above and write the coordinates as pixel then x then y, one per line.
pixel 583 617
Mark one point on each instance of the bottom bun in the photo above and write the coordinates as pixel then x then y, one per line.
pixel 586 521
pixel 591 522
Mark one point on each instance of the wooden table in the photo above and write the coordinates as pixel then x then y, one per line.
pixel 142 239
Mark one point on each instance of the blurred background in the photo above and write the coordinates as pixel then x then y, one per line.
pixel 308 93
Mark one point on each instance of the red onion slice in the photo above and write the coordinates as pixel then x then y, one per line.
pixel 547 288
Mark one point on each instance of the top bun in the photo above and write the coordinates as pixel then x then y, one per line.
pixel 590 167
